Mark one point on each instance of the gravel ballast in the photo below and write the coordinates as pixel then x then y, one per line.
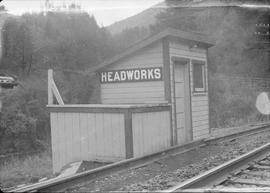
pixel 169 171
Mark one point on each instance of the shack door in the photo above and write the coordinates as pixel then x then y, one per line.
pixel 182 102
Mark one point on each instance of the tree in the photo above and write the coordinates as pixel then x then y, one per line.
pixel 17 46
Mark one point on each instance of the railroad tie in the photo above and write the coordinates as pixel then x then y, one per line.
pixel 260 167
pixel 265 183
pixel 259 174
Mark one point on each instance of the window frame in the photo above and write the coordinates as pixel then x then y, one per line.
pixel 203 64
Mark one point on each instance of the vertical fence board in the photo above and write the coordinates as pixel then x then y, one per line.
pixel 151 132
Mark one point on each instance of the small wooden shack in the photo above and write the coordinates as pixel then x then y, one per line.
pixel 154 96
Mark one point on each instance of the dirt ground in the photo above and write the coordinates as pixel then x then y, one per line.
pixel 171 170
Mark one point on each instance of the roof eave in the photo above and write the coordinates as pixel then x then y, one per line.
pixel 199 38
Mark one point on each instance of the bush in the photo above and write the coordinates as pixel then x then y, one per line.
pixel 230 103
pixel 21 128
pixel 25 170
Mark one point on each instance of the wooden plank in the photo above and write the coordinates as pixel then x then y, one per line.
pixel 265 183
pixel 198 123
pixel 151 132
pixel 201 127
pixel 202 136
pixel 52 90
pixel 199 113
pixel 54 122
pixel 121 136
pixel 107 135
pixel 91 132
pixel 99 134
pixel 69 133
pixel 138 127
pixel 199 98
pixel 62 140
pixel 166 69
pixel 133 85
pixel 56 93
pixel 135 94
pixel 200 103
pixel 76 137
pixel 199 108
pixel 142 61
pixel 113 133
pixel 181 46
pixel 144 53
pixel 133 100
pixel 120 90
pixel 200 118
pixel 135 133
pixel 84 135
pixel 187 54
pixel 128 135
pixel 50 94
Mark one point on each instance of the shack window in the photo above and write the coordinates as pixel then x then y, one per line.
pixel 199 76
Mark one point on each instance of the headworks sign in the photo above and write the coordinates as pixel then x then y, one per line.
pixel 131 75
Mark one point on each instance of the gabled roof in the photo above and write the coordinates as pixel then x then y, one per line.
pixel 181 35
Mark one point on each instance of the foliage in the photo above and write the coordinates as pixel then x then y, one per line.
pixel 25 170
pixel 17 41
pixel 235 52
pixel 129 36
pixel 70 43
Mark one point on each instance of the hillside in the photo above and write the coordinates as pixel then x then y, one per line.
pixel 143 19
pixel 148 16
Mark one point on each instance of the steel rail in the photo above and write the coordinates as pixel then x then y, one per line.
pixel 220 173
pixel 56 184
pixel 227 190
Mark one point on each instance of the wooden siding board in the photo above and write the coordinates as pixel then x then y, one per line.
pixel 138 91
pixel 91 136
pixel 69 140
pixel 199 108
pixel 62 141
pixel 151 132
pixel 199 98
pixel 197 123
pixel 121 138
pixel 84 136
pixel 67 136
pixel 123 90
pixel 200 103
pixel 133 100
pixel 135 94
pixel 76 134
pixel 53 121
pixel 107 135
pixel 186 54
pixel 200 118
pixel 128 135
pixel 201 132
pixel 99 125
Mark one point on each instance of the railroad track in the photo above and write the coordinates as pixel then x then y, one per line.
pixel 58 184
pixel 247 173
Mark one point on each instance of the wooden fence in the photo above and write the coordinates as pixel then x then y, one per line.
pixel 107 133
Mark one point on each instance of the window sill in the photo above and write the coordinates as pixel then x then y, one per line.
pixel 197 93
